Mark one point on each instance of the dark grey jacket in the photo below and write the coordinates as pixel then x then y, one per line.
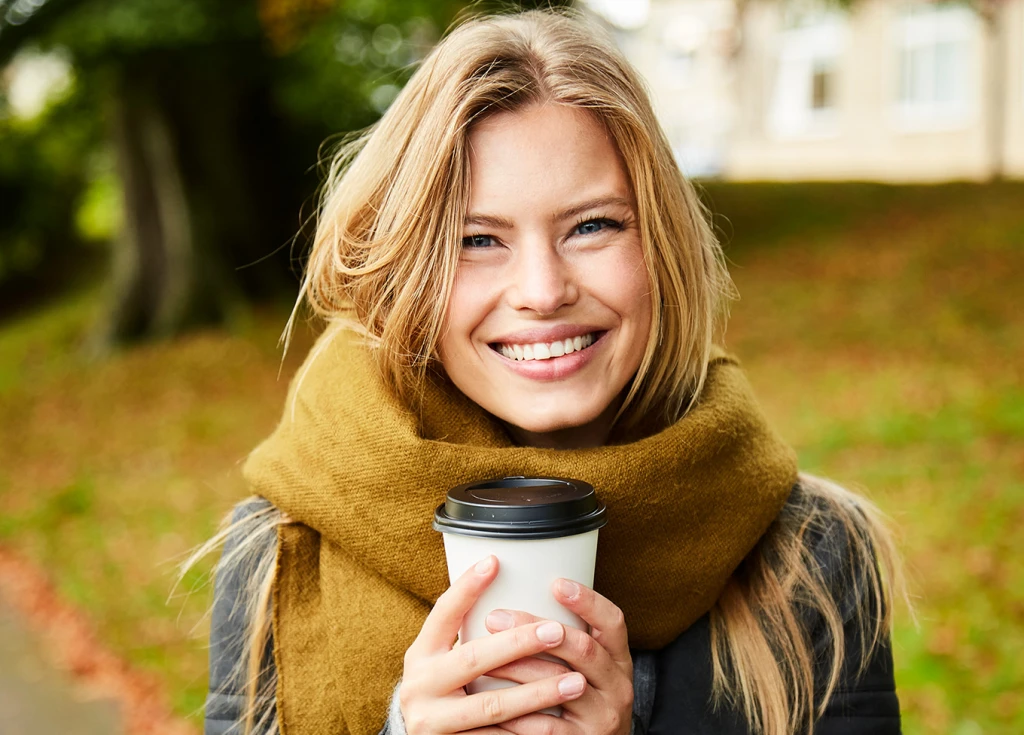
pixel 672 686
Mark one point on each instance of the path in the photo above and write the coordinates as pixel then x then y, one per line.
pixel 37 699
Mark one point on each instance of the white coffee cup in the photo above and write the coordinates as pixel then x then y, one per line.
pixel 540 529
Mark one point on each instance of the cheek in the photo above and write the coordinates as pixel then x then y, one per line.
pixel 467 308
pixel 626 287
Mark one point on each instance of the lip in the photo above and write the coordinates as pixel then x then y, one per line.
pixel 554 368
pixel 546 334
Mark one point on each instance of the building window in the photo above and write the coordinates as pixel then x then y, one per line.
pixel 823 82
pixel 934 47
pixel 805 96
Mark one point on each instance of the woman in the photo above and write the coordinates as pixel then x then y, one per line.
pixel 519 281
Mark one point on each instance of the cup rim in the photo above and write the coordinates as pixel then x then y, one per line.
pixel 575 511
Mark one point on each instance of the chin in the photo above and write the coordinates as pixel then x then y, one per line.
pixel 551 423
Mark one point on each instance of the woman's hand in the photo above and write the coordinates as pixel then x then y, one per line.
pixel 431 697
pixel 606 708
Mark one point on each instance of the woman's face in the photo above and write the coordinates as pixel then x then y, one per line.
pixel 550 312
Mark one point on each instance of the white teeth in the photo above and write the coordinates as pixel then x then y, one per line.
pixel 545 351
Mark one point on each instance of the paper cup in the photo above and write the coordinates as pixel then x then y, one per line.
pixel 540 529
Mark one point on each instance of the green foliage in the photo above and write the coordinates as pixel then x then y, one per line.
pixel 331 80
pixel 44 165
pixel 111 29
pixel 100 212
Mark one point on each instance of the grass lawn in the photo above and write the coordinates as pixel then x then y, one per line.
pixel 879 325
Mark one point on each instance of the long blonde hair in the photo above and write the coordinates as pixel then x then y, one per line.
pixel 383 261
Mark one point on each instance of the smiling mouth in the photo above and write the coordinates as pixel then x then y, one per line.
pixel 546 350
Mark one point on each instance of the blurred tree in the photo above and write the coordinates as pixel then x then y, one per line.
pixel 183 87
pixel 214 110
pixel 42 171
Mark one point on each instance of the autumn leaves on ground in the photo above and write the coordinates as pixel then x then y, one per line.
pixel 881 327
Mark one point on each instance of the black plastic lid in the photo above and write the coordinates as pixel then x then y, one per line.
pixel 521 508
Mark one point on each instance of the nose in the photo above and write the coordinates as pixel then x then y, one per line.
pixel 543 279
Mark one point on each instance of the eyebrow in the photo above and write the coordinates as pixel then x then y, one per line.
pixel 489 220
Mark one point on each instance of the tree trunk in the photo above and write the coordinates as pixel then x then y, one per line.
pixel 204 193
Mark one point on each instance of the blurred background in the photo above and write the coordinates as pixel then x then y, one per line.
pixel 159 161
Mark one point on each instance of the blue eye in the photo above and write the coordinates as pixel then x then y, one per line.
pixel 477 241
pixel 593 226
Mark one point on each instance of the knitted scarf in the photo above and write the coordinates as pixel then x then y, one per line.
pixel 360 475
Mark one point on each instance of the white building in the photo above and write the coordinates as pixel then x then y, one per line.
pixel 890 91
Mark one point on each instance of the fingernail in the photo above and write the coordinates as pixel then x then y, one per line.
pixel 568 589
pixel 550 632
pixel 499 620
pixel 484 566
pixel 571 685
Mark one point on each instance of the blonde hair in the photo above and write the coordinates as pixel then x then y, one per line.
pixel 383 261
pixel 828 568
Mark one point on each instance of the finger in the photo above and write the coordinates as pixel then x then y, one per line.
pixel 501 705
pixel 537 723
pixel 580 650
pixel 498 619
pixel 525 670
pixel 595 712
pixel 608 624
pixel 461 665
pixel 443 623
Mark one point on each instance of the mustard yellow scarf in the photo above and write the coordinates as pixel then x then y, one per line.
pixel 361 474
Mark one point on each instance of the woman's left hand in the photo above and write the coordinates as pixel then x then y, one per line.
pixel 606 706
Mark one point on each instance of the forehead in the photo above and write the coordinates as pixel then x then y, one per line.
pixel 540 158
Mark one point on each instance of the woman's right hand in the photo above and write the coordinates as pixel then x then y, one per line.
pixel 432 697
